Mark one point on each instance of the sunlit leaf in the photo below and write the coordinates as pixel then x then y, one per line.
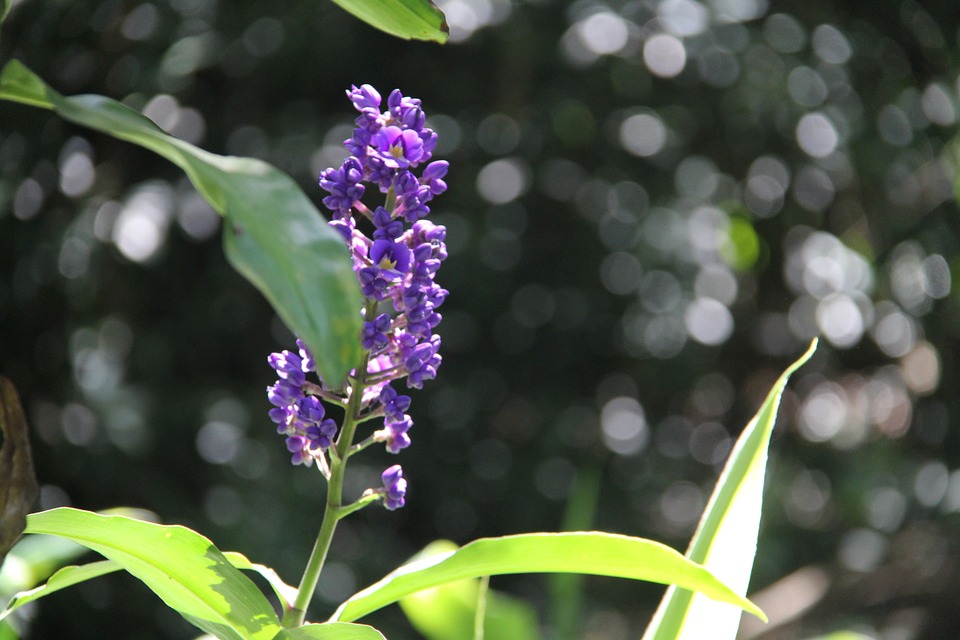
pixel 726 539
pixel 448 612
pixel 286 593
pixel 18 483
pixel 330 631
pixel 407 19
pixel 273 234
pixel 589 552
pixel 182 567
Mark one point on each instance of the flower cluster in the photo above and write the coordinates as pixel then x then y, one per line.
pixel 396 254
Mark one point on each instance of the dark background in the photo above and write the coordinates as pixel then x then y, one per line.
pixel 637 248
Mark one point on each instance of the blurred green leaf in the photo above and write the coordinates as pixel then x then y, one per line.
pixel 589 552
pixel 330 631
pixel 726 540
pixel 182 567
pixel 65 577
pixel 18 483
pixel 273 234
pixel 407 19
pixel 448 612
pixel 742 247
pixel 4 8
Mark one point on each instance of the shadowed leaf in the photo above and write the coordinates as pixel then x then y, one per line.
pixel 272 235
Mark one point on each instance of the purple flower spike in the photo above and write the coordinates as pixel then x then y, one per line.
pixel 394 488
pixel 390 150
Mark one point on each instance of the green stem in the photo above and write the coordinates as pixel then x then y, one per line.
pixel 334 511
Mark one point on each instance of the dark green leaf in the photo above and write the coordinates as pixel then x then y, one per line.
pixel 416 19
pixel 272 234
pixel 18 484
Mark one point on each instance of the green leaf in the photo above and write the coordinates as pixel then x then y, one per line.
pixel 4 8
pixel 590 552
pixel 65 577
pixel 726 539
pixel 272 235
pixel 416 19
pixel 285 593
pixel 330 631
pixel 448 612
pixel 18 483
pixel 182 567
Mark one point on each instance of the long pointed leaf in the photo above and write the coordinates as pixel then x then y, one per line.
pixel 273 234
pixel 726 539
pixel 182 567
pixel 416 19
pixel 596 553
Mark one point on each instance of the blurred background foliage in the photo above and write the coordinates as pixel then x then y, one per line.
pixel 654 205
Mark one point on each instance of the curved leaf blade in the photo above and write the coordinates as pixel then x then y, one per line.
pixel 182 567
pixel 284 592
pixel 407 19
pixel 330 631
pixel 590 552
pixel 65 577
pixel 273 235
pixel 726 539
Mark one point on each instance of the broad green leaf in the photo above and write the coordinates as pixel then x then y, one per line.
pixel 272 234
pixel 590 552
pixel 285 593
pixel 35 558
pixel 66 577
pixel 71 575
pixel 416 19
pixel 4 8
pixel 182 567
pixel 330 631
pixel 448 612
pixel 726 539
pixel 18 483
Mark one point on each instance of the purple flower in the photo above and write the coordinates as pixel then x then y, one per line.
pixel 284 393
pixel 394 405
pixel 397 438
pixel 344 185
pixel 398 147
pixel 308 363
pixel 394 487
pixel 375 333
pixel 366 97
pixel 288 366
